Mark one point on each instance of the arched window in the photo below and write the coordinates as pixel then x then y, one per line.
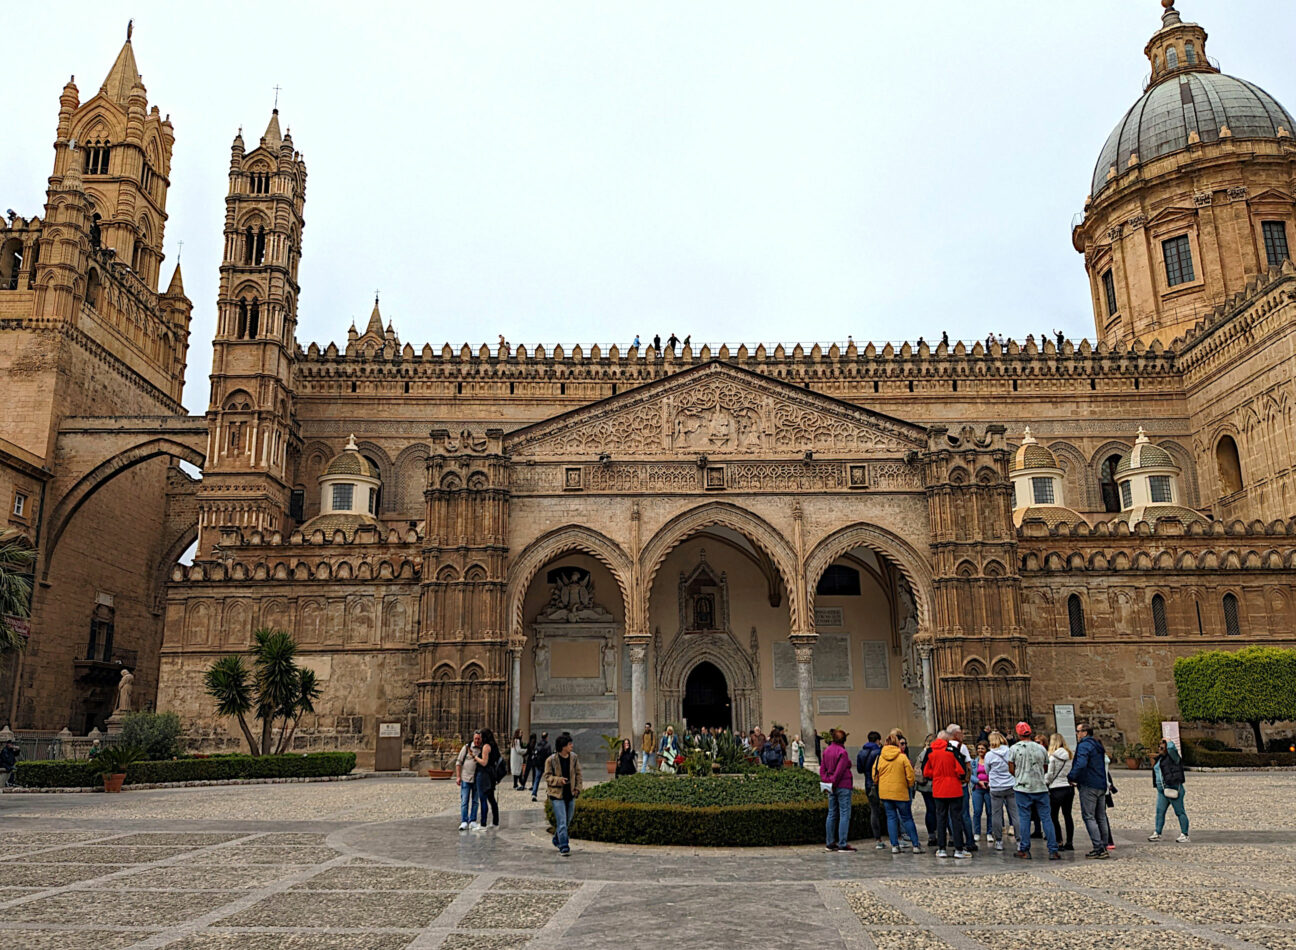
pixel 96 233
pixel 375 494
pixel 1110 491
pixel 258 256
pixel 241 330
pixel 254 319
pixel 1075 614
pixel 1231 625
pixel 1172 58
pixel 1190 52
pixel 96 157
pixel 137 257
pixel 1159 616
pixel 11 262
pixel 1229 465
pixel 838 580
pixel 249 245
pixel 93 290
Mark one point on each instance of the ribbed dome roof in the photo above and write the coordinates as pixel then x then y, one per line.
pixel 1144 455
pixel 351 462
pixel 1050 514
pixel 1202 102
pixel 1030 454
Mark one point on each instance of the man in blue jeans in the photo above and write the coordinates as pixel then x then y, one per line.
pixel 562 774
pixel 835 771
pixel 1028 763
pixel 465 773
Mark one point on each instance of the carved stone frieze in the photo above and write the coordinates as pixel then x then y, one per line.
pixel 716 409
pixel 1203 199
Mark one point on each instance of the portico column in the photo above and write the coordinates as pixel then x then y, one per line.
pixel 515 691
pixel 804 649
pixel 924 647
pixel 638 683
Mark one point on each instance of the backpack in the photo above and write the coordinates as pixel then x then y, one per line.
pixel 498 768
pixel 864 760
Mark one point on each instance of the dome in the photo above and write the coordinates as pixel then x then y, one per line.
pixel 1155 513
pixel 346 522
pixel 1051 515
pixel 351 462
pixel 1203 102
pixel 1144 455
pixel 1030 454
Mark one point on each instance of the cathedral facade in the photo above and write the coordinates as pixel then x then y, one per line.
pixel 831 534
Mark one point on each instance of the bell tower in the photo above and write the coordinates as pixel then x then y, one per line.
pixel 251 405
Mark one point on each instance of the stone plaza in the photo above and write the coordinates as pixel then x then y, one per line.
pixel 377 864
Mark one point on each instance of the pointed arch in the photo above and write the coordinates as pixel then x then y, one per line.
pixel 572 539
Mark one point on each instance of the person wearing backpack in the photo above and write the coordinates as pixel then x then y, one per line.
pixel 772 755
pixel 1168 779
pixel 865 759
pixel 538 759
pixel 491 767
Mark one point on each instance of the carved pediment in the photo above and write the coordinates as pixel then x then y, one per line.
pixel 717 410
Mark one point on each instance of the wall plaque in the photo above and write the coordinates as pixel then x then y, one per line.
pixel 829 616
pixel 389 730
pixel 832 705
pixel 832 665
pixel 785 671
pixel 877 665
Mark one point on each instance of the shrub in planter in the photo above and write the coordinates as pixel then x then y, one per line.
pixel 762 809
pixel 60 774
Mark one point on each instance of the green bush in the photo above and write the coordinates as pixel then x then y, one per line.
pixel 1253 685
pixel 59 774
pixel 765 808
pixel 158 734
pixel 1206 758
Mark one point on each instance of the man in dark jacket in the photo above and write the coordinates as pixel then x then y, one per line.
pixel 864 760
pixel 1089 774
pixel 538 760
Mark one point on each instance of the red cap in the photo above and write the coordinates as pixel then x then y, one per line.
pixel 1023 729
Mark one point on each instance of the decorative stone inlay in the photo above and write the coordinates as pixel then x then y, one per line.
pixel 1203 199
pixel 1238 193
pixel 1136 222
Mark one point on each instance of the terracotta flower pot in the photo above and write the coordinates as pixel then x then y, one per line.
pixel 1132 763
pixel 611 768
pixel 113 783
pixel 436 774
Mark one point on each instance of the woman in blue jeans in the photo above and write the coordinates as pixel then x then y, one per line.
pixel 981 793
pixel 1168 777
pixel 484 780
pixel 894 777
pixel 835 771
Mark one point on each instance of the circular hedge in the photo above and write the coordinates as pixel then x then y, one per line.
pixel 764 808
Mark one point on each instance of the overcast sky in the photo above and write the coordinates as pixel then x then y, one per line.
pixel 581 172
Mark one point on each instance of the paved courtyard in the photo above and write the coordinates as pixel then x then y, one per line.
pixel 378 864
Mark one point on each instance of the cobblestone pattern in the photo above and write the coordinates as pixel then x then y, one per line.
pixel 158 877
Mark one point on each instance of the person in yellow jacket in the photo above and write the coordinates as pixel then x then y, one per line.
pixel 894 776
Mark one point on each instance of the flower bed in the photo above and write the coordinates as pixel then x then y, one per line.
pixel 764 808
pixel 81 774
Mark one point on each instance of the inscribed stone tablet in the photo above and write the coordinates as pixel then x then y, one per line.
pixel 785 673
pixel 574 659
pixel 829 616
pixel 877 665
pixel 833 705
pixel 832 665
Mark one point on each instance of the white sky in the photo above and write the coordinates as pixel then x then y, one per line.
pixel 581 172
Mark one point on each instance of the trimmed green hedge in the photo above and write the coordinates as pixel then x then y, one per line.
pixel 80 774
pixel 1206 758
pixel 767 808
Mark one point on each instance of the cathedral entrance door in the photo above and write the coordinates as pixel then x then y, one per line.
pixel 706 697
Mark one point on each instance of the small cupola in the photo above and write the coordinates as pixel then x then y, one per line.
pixel 1037 485
pixel 1177 46
pixel 1148 480
pixel 349 493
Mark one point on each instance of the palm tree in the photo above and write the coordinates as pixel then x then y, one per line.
pixel 276 677
pixel 308 690
pixel 17 558
pixel 228 681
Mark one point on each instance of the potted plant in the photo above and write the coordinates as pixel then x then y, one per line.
pixel 113 762
pixel 613 745
pixel 440 756
pixel 1133 753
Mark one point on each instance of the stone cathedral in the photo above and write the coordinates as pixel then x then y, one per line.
pixel 589 539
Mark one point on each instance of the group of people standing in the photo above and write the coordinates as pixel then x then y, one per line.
pixel 660 754
pixel 480 766
pixel 1028 782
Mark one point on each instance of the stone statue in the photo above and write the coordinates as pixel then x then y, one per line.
pixel 571 599
pixel 124 687
pixel 609 667
pixel 542 666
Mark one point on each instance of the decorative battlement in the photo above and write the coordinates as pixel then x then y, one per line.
pixel 1165 528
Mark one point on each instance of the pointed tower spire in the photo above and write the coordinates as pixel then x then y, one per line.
pixel 176 287
pixel 124 74
pixel 273 138
pixel 375 327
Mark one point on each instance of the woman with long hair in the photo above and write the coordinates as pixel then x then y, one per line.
pixel 486 758
pixel 1002 789
pixel 626 760
pixel 517 760
pixel 1061 791
pixel 980 786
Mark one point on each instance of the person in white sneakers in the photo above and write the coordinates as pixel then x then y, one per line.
pixel 465 773
pixel 1168 778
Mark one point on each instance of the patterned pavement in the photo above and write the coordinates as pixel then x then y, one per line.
pixel 379 865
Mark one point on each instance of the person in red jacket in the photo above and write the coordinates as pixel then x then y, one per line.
pixel 946 771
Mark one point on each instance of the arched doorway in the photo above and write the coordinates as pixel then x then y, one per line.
pixel 706 697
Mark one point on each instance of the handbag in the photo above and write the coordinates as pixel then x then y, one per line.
pixel 1170 793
